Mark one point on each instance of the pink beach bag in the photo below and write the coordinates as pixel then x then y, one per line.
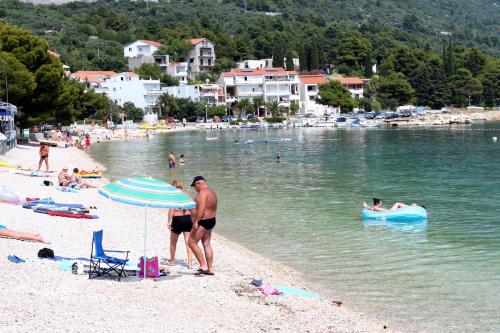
pixel 152 270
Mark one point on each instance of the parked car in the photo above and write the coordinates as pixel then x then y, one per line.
pixel 224 118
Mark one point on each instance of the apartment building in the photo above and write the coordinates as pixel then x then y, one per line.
pixel 201 57
pixel 211 94
pixel 272 84
pixel 309 92
pixel 353 84
pixel 141 48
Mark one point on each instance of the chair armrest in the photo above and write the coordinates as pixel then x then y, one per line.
pixel 116 251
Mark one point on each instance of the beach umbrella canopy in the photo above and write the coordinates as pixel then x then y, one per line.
pixel 147 192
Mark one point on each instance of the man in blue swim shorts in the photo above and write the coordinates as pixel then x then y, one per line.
pixel 171 160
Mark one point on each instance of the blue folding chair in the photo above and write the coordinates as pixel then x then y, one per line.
pixel 103 265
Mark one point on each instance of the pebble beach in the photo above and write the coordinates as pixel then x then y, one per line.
pixel 37 296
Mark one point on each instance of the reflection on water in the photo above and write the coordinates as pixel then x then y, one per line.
pixel 305 211
pixel 405 226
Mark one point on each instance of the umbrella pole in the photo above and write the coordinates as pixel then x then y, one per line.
pixel 145 234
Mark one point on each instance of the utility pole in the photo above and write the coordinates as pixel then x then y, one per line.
pixel 6 89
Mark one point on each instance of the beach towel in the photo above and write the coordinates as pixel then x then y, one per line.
pixel 297 292
pixel 72 215
pixel 68 189
pixel 267 290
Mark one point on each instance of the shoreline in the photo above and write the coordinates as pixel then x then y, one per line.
pixel 223 303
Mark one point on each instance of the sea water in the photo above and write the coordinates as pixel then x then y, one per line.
pixel 439 275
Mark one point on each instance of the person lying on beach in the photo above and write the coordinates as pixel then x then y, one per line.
pixel 77 181
pixel 21 235
pixel 377 206
pixel 64 178
pixel 179 221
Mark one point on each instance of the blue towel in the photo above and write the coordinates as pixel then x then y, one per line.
pixel 297 292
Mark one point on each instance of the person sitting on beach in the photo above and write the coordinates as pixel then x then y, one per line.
pixel 179 220
pixel 21 235
pixel 377 206
pixel 64 178
pixel 77 181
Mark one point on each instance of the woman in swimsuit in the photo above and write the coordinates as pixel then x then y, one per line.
pixel 179 220
pixel 44 156
pixel 6 232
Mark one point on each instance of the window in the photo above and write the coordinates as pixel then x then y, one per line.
pixel 191 60
pixel 209 62
pixel 114 89
pixel 246 78
pixel 311 98
pixel 130 49
pixel 311 88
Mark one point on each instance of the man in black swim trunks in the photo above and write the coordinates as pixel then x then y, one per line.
pixel 203 223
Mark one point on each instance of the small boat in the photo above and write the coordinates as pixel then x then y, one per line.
pixel 248 141
pixel 410 213
pixel 212 138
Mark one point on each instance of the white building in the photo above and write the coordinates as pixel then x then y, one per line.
pixel 353 84
pixel 272 84
pixel 141 48
pixel 127 87
pixel 266 63
pixel 261 63
pixel 92 79
pixel 179 70
pixel 309 92
pixel 211 94
pixel 201 57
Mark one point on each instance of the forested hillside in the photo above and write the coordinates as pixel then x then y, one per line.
pixel 430 52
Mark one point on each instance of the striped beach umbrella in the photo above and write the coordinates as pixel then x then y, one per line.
pixel 147 192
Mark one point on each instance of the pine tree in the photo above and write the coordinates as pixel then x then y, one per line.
pixel 289 60
pixel 368 71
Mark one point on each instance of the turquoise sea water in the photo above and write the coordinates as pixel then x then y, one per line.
pixel 442 275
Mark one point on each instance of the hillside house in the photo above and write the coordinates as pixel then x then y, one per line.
pixel 201 58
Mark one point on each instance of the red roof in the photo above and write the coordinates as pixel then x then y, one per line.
pixel 92 76
pixel 254 72
pixel 312 79
pixel 195 41
pixel 152 42
pixel 129 74
pixel 349 80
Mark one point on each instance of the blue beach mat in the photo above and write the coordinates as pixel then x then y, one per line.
pixel 297 292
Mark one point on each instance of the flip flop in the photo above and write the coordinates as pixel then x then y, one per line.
pixel 15 259
pixel 203 272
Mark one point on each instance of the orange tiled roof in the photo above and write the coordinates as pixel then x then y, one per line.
pixel 129 74
pixel 254 72
pixel 152 42
pixel 195 41
pixel 92 76
pixel 349 80
pixel 312 79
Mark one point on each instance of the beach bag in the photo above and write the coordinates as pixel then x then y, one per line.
pixel 152 270
pixel 46 253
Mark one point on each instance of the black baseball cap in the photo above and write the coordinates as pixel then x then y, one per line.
pixel 197 178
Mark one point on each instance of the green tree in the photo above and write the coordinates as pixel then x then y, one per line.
pixel 166 104
pixel 491 87
pixel 474 61
pixel 465 89
pixel 257 102
pixel 294 108
pixel 149 71
pixel 244 105
pixel 272 107
pixel 132 112
pixel 335 94
pixel 431 88
pixel 289 60
pixel 394 90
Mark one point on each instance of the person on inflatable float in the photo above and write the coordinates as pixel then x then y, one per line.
pixel 377 206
